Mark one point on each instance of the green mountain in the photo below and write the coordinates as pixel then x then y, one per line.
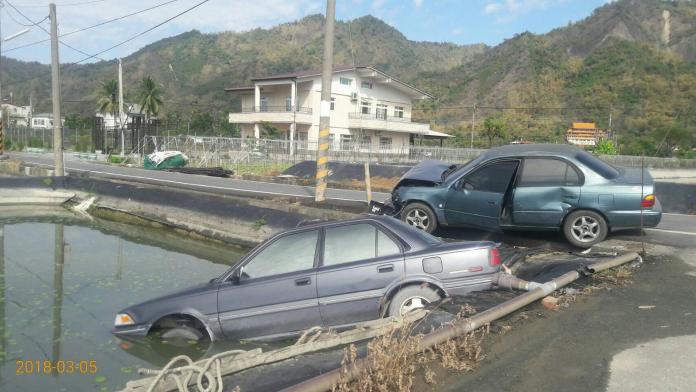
pixel 631 61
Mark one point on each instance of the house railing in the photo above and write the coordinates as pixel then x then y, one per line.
pixel 274 109
pixel 381 116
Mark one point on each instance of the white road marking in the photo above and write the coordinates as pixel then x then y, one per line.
pixel 672 231
pixel 198 185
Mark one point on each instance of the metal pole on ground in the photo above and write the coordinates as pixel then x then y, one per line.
pixel 120 106
pixel 325 107
pixel 55 87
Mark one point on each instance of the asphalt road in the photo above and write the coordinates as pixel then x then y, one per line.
pixel 674 229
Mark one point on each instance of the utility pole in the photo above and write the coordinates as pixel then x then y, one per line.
pixel 4 114
pixel 120 106
pixel 325 108
pixel 55 87
pixel 473 122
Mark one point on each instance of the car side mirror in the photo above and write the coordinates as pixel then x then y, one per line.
pixel 237 275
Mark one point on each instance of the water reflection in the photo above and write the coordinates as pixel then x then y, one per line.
pixel 96 270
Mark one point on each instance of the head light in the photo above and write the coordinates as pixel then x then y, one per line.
pixel 123 319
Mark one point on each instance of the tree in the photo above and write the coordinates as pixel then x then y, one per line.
pixel 149 98
pixel 605 147
pixel 494 127
pixel 108 101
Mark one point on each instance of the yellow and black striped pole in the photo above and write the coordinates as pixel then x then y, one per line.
pixel 325 108
pixel 2 135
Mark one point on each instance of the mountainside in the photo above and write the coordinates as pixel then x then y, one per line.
pixel 632 62
pixel 203 64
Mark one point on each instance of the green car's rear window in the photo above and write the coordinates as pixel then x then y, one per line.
pixel 597 165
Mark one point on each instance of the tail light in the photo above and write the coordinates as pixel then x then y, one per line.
pixel 648 201
pixel 494 257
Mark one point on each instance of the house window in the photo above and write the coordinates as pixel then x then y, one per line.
pixel 366 142
pixel 331 141
pixel 346 141
pixel 366 84
pixel 302 136
pixel 288 104
pixel 346 81
pixel 381 111
pixel 264 104
pixel 365 107
pixel 385 143
pixel 333 103
pixel 399 111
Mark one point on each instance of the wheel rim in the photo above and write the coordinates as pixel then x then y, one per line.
pixel 585 229
pixel 411 304
pixel 418 218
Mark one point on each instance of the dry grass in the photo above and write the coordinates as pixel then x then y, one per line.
pixel 394 360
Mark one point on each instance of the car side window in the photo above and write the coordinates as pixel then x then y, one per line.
pixel 362 241
pixel 290 253
pixel 491 178
pixel 548 172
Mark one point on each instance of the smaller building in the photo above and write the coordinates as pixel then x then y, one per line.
pixel 19 116
pixel 131 110
pixel 584 134
pixel 44 121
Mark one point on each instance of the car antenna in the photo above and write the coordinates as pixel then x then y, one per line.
pixel 642 186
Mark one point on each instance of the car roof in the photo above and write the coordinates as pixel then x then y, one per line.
pixel 415 239
pixel 563 150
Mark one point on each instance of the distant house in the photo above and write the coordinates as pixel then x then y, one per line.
pixel 369 109
pixel 584 134
pixel 43 121
pixel 131 110
pixel 18 115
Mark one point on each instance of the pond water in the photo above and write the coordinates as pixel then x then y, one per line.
pixel 59 297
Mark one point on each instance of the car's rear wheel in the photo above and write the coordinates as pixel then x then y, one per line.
pixel 585 229
pixel 411 298
pixel 419 216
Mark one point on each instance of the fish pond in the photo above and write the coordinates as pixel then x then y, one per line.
pixel 61 284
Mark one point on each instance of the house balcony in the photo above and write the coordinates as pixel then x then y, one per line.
pixel 271 114
pixel 386 123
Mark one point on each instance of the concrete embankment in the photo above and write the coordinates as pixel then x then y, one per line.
pixel 241 220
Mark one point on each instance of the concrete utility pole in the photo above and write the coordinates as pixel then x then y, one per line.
pixel 55 87
pixel 473 124
pixel 120 106
pixel 325 108
pixel 4 115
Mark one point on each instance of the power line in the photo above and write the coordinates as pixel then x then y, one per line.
pixel 22 24
pixel 46 31
pixel 117 45
pixel 63 4
pixel 92 26
pixel 144 32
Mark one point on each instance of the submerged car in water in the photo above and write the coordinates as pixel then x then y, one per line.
pixel 331 274
pixel 529 187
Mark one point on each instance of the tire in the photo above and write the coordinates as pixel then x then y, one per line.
pixel 183 332
pixel 419 216
pixel 403 301
pixel 585 229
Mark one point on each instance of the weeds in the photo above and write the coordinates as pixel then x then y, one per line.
pixel 394 359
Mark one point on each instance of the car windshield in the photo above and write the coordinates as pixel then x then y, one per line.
pixel 460 168
pixel 597 165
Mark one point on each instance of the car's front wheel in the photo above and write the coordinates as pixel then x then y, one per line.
pixel 585 229
pixel 419 216
pixel 411 298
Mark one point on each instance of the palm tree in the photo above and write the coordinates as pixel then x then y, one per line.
pixel 149 98
pixel 108 101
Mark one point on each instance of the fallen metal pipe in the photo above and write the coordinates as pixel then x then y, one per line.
pixel 326 381
pixel 509 281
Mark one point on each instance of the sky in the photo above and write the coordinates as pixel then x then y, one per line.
pixel 458 21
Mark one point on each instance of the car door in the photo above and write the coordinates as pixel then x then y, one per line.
pixel 359 261
pixel 546 189
pixel 276 292
pixel 476 199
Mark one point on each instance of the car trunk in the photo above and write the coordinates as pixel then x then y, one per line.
pixel 632 176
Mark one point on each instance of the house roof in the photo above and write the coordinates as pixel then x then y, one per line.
pixel 432 133
pixel 317 72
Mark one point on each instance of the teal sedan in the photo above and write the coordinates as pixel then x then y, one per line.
pixel 529 187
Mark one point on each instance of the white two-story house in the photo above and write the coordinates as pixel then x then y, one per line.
pixel 370 110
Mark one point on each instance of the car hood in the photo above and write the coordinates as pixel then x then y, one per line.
pixel 426 173
pixel 202 297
